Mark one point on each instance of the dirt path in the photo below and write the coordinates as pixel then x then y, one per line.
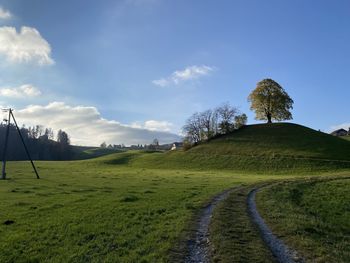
pixel 198 246
pixel 282 253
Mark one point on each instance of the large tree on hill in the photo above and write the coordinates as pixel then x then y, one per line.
pixel 270 101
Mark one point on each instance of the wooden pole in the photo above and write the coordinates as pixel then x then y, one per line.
pixel 5 146
pixel 25 146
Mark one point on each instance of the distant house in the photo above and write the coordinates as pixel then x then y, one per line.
pixel 176 146
pixel 340 132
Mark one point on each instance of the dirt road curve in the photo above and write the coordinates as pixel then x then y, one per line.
pixel 282 253
pixel 198 246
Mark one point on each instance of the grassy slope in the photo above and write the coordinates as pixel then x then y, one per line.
pixel 83 152
pixel 313 217
pixel 346 138
pixel 258 148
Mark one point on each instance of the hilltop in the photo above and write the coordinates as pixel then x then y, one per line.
pixel 272 147
pixel 278 139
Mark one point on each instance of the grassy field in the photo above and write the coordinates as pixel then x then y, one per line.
pixel 83 152
pixel 312 216
pixel 138 206
pixel 90 211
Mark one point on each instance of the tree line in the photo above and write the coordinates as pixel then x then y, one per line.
pixel 203 126
pixel 40 142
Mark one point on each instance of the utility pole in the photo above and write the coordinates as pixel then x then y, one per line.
pixel 6 142
pixel 8 120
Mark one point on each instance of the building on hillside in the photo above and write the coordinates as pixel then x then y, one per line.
pixel 176 146
pixel 340 132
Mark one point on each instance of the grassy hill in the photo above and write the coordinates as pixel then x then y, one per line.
pixel 346 137
pixel 85 152
pixel 272 148
pixel 279 139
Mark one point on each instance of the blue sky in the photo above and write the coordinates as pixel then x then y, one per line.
pixel 144 66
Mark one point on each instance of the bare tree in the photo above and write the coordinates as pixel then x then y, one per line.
pixel 206 124
pixel 49 134
pixel 193 128
pixel 155 143
pixel 226 114
pixel 39 131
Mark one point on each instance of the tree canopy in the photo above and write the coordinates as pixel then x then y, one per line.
pixel 270 101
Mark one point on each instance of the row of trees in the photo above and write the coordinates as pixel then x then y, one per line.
pixel 40 143
pixel 153 146
pixel 205 125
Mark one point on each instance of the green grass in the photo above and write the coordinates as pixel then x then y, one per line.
pixel 264 148
pixel 311 216
pixel 90 211
pixel 279 139
pixel 234 237
pixel 346 137
pixel 138 206
pixel 83 152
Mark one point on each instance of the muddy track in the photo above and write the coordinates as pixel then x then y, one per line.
pixel 198 245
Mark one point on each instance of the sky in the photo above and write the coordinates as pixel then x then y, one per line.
pixel 129 71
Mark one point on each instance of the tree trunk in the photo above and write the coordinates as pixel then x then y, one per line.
pixel 269 118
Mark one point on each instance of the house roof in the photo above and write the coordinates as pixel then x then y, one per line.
pixel 338 131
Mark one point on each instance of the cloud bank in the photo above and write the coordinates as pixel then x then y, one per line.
pixel 153 125
pixel 25 46
pixel 23 91
pixel 178 76
pixel 86 126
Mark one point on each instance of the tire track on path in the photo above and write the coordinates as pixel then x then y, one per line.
pixel 281 251
pixel 199 245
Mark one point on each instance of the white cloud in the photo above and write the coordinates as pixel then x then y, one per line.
pixel 23 91
pixel 5 14
pixel 189 73
pixel 161 82
pixel 153 125
pixel 25 46
pixel 86 126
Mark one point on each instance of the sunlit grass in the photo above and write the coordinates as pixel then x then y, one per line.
pixel 90 211
pixel 311 216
